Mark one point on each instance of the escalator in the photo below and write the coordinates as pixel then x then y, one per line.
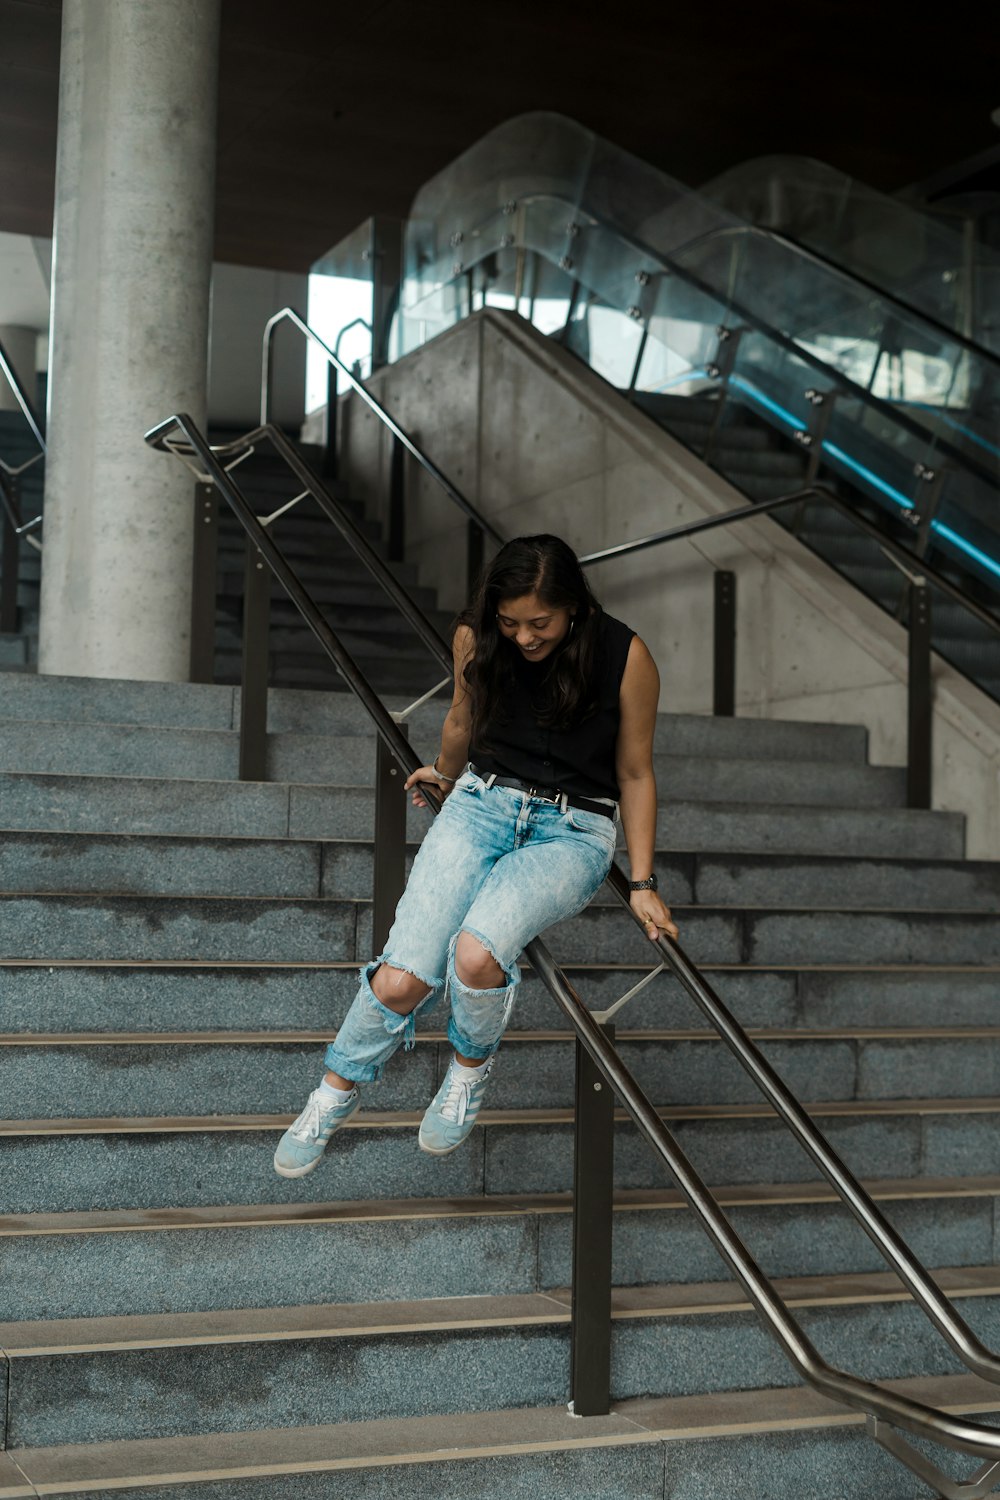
pixel 773 364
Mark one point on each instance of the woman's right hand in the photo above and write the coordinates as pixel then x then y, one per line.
pixel 426 773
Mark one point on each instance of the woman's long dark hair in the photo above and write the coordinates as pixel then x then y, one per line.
pixel 543 565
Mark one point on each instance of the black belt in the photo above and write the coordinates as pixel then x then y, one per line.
pixel 545 793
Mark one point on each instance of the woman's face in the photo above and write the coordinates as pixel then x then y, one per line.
pixel 536 628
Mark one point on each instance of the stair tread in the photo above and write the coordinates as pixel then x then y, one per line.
pixel 540 1037
pixel 407 1119
pixel 483 1434
pixel 440 1314
pixel 125 1220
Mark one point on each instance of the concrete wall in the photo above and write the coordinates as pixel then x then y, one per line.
pixel 538 442
pixel 243 298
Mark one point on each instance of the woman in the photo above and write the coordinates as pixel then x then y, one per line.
pixel 549 739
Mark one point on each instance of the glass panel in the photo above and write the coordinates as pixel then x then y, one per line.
pixel 892 245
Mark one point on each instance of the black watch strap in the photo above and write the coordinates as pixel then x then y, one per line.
pixel 644 885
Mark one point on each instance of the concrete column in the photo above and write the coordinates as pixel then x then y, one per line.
pixel 19 346
pixel 135 178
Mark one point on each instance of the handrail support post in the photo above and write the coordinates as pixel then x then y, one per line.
pixel 724 645
pixel 720 370
pixel 203 582
pixel 330 456
pixel 253 691
pixel 10 564
pixel 389 873
pixel 593 1203
pixel 919 699
pixel 396 538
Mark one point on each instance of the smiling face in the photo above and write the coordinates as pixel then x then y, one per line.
pixel 534 627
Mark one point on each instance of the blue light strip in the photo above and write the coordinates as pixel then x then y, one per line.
pixel 779 411
pixel 698 373
pixel 964 545
pixel 953 538
pixel 791 420
pixel 870 477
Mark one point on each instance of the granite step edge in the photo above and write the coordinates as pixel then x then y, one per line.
pixel 34 1338
pixel 395 1442
pixel 626 1200
pixel 407 1119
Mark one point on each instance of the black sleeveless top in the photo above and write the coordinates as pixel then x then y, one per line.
pixel 580 760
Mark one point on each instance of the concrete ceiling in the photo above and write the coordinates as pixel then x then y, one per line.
pixel 329 112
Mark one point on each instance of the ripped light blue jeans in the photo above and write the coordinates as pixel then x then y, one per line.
pixel 499 865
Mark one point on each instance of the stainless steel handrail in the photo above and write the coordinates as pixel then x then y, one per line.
pixel 288 314
pixel 896 1410
pixel 21 397
pixel 358 322
pixel 764 507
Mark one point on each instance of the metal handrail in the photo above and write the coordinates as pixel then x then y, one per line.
pixel 897 1411
pixel 358 322
pixel 288 314
pixel 764 507
pixel 22 398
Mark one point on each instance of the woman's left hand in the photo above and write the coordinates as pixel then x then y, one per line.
pixel 653 914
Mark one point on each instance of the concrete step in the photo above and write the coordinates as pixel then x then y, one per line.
pixel 203 706
pixel 783 1443
pixel 226 809
pixel 66 1165
pixel 285 641
pixel 359 588
pixel 144 1261
pixel 61 748
pixel 244 929
pixel 366 613
pixel 135 864
pixel 299 538
pixel 287 669
pixel 282 930
pixel 177 1074
pixel 251 1369
pixel 764 463
pixel 14 653
pixel 338 563
pixel 94 997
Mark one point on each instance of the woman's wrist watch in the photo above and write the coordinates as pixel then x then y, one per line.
pixel 644 885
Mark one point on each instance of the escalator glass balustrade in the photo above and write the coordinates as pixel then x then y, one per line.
pixel 770 362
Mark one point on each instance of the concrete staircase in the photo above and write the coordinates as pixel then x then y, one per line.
pixel 176 946
pixel 369 627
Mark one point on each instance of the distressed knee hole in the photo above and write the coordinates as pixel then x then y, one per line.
pixel 475 965
pixel 398 989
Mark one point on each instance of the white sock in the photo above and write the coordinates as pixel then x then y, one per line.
pixel 469 1075
pixel 329 1095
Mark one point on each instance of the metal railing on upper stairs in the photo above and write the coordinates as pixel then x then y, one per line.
pixel 600 1069
pixel 13 524
pixel 918 577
